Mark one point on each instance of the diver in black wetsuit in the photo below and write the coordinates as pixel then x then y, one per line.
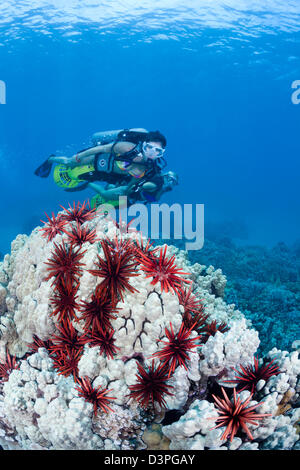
pixel 131 153
pixel 144 191
pixel 129 161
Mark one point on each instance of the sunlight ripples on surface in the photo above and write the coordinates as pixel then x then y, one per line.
pixel 246 17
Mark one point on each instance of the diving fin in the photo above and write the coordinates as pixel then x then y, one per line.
pixel 44 169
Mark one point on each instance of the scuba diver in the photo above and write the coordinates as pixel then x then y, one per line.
pixel 143 191
pixel 125 159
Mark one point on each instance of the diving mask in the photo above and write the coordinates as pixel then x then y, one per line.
pixel 152 151
pixel 171 178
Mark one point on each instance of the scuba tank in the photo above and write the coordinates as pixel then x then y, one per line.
pixel 106 137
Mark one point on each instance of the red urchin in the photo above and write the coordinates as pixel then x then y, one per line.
pixel 97 396
pixel 80 235
pixel 193 310
pixel 122 226
pixel 211 328
pixel 146 250
pixel 64 263
pixel 189 301
pixel 176 349
pixel 79 213
pixel 250 375
pixel 151 385
pixel 54 226
pixel 38 343
pixel 116 269
pixel 121 246
pixel 163 270
pixel 97 312
pixel 236 415
pixel 67 364
pixel 68 341
pixel 8 366
pixel 64 300
pixel 105 340
pixel 197 320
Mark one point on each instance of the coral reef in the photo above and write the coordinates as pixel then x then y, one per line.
pixel 108 343
pixel 264 283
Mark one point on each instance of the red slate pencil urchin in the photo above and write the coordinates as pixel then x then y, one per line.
pixel 197 320
pixel 249 376
pixel 122 226
pixel 8 366
pixel 163 270
pixel 54 226
pixel 176 349
pixel 235 415
pixel 189 301
pixel 79 235
pixel 121 246
pixel 68 341
pixel 151 385
pixel 193 309
pixel 97 396
pixel 38 343
pixel 78 213
pixel 64 300
pixel 98 312
pixel 105 340
pixel 146 250
pixel 211 328
pixel 116 269
pixel 65 263
pixel 67 364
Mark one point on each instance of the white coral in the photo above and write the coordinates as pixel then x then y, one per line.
pixel 193 427
pixel 223 351
pixel 40 409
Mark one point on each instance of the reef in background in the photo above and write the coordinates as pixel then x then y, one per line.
pixel 264 283
pixel 109 343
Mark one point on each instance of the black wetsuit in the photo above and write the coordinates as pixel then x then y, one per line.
pixel 142 195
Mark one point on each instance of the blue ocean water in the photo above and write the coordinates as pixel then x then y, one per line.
pixel 214 77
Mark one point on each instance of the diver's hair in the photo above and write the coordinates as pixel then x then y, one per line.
pixel 156 136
